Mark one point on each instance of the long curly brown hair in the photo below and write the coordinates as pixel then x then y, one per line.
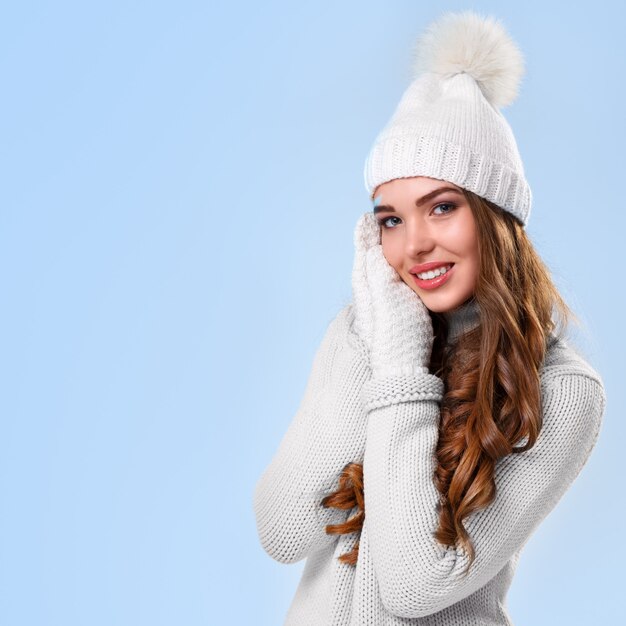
pixel 492 397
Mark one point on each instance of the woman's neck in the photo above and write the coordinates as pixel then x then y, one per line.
pixel 462 319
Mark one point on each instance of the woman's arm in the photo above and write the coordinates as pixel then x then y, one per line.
pixel 417 576
pixel 327 433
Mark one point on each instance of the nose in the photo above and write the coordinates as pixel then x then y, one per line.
pixel 419 238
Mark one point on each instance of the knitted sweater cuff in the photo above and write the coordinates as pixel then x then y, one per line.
pixel 383 391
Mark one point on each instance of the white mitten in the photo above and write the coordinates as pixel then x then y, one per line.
pixel 366 235
pixel 397 325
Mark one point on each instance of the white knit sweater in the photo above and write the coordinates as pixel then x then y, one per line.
pixel 403 576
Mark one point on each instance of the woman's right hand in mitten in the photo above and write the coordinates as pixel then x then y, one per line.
pixel 391 318
pixel 366 235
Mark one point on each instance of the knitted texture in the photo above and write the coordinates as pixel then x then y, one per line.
pixel 379 392
pixel 448 125
pixel 462 319
pixel 403 576
pixel 327 432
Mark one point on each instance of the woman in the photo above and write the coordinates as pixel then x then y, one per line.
pixel 445 415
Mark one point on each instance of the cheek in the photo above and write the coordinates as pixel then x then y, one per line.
pixel 473 262
pixel 465 240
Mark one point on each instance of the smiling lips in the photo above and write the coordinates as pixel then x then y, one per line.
pixel 431 265
pixel 432 279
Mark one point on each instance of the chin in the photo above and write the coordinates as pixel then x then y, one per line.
pixel 442 302
pixel 439 300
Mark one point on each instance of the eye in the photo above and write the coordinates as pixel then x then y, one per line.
pixel 446 204
pixel 383 221
pixel 449 205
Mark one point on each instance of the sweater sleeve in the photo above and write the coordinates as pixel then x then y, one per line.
pixel 417 576
pixel 326 433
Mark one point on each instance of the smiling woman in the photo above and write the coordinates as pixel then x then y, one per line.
pixel 440 228
pixel 446 414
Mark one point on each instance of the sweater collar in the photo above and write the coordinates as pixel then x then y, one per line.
pixel 462 319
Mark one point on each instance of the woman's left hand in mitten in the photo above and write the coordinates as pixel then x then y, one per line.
pixel 402 328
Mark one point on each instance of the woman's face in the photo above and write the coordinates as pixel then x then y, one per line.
pixel 424 220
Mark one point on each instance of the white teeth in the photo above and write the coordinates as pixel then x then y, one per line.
pixel 433 273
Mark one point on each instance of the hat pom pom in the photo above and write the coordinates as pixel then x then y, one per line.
pixel 480 46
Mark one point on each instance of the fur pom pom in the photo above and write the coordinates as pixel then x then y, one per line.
pixel 478 45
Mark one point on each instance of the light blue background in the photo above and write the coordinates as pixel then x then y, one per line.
pixel 180 183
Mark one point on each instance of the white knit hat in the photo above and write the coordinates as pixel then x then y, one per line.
pixel 448 124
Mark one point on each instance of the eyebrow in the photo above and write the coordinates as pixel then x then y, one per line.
pixel 420 201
